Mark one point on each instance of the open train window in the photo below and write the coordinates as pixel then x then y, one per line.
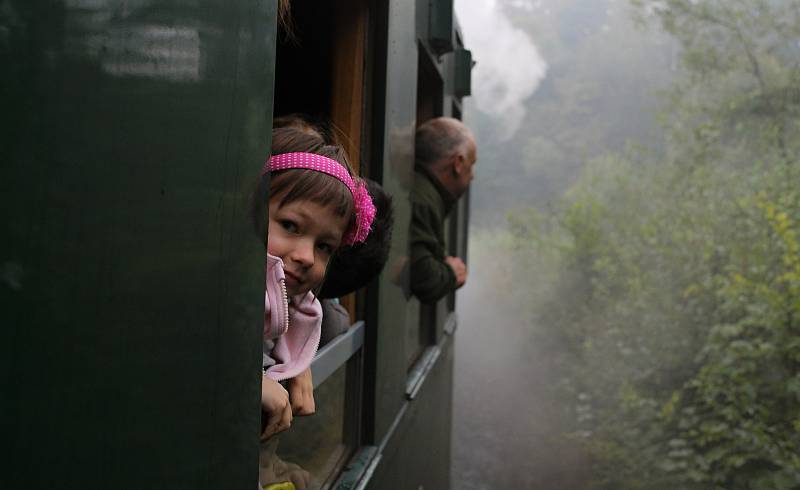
pixel 319 72
pixel 422 333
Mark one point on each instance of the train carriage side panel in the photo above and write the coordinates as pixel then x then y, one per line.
pixel 132 284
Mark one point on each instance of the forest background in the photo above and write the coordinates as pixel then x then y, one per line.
pixel 637 234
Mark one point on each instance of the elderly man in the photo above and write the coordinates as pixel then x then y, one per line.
pixel 445 154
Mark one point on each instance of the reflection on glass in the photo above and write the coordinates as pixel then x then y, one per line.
pixel 129 40
pixel 314 446
pixel 154 51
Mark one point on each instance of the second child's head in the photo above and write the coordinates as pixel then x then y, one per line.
pixel 354 267
pixel 312 208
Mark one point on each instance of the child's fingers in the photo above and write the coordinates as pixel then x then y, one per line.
pixel 285 419
pixel 271 427
pixel 301 394
pixel 303 403
pixel 308 407
pixel 278 421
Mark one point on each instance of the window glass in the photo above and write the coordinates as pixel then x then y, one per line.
pixel 416 328
pixel 314 447
pixel 421 319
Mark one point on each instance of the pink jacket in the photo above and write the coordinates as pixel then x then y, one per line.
pixel 294 326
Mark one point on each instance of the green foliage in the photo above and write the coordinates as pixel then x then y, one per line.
pixel 675 293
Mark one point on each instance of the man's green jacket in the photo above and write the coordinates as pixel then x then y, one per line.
pixel 431 277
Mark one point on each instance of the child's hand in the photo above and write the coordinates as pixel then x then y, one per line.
pixel 275 402
pixel 301 393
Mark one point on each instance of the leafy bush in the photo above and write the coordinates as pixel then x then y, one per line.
pixel 675 299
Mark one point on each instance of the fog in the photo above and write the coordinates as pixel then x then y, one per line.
pixel 630 318
pixel 507 425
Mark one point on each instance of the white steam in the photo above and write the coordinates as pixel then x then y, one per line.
pixel 509 66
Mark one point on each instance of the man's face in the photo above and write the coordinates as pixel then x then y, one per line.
pixel 464 168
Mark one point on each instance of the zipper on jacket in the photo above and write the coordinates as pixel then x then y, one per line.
pixel 285 295
pixel 316 347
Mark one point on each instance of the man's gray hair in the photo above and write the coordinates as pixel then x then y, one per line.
pixel 438 139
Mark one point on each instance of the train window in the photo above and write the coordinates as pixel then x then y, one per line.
pixel 315 445
pixel 421 328
pixel 320 73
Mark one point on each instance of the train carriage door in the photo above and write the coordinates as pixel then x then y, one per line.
pixel 132 281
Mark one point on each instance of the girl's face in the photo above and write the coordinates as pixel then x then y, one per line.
pixel 304 235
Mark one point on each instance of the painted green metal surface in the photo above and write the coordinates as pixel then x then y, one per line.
pixel 418 453
pixel 131 281
pixel 395 310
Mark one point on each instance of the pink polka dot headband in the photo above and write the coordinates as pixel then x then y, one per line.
pixel 364 208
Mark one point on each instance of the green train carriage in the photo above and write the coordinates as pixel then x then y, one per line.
pixel 132 283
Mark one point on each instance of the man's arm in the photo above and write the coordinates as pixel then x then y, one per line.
pixel 432 278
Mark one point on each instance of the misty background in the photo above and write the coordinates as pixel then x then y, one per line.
pixel 630 318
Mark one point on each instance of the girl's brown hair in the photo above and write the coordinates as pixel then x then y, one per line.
pixel 300 184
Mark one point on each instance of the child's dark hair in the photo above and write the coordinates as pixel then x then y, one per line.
pixel 306 123
pixel 301 184
pixel 353 267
